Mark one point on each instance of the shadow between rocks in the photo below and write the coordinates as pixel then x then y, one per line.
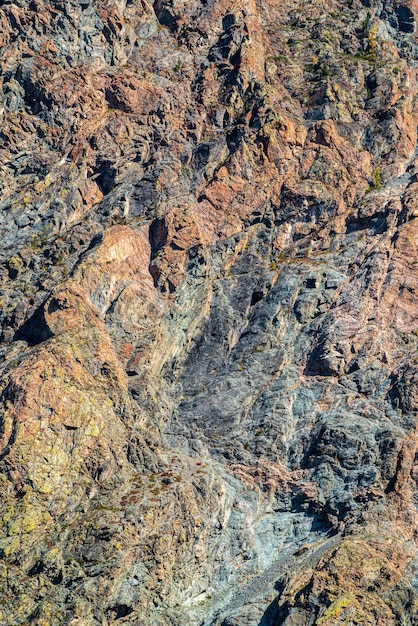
pixel 271 616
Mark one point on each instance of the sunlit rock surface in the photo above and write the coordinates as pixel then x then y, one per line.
pixel 209 315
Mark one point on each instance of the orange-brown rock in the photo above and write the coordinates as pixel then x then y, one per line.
pixel 208 313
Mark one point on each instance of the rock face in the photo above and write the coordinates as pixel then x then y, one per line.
pixel 209 316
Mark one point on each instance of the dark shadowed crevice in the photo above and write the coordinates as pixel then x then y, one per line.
pixel 120 610
pixel 35 330
pixel 105 176
pixel 164 16
pixel 406 19
pixel 158 233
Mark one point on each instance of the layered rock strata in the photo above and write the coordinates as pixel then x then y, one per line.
pixel 209 319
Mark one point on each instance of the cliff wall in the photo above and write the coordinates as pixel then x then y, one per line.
pixel 209 318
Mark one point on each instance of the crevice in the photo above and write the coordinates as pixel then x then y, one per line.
pixel 406 19
pixel 164 16
pixel 35 330
pixel 121 610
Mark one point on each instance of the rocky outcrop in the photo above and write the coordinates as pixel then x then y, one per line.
pixel 209 313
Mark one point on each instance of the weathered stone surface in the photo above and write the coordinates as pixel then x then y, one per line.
pixel 208 316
